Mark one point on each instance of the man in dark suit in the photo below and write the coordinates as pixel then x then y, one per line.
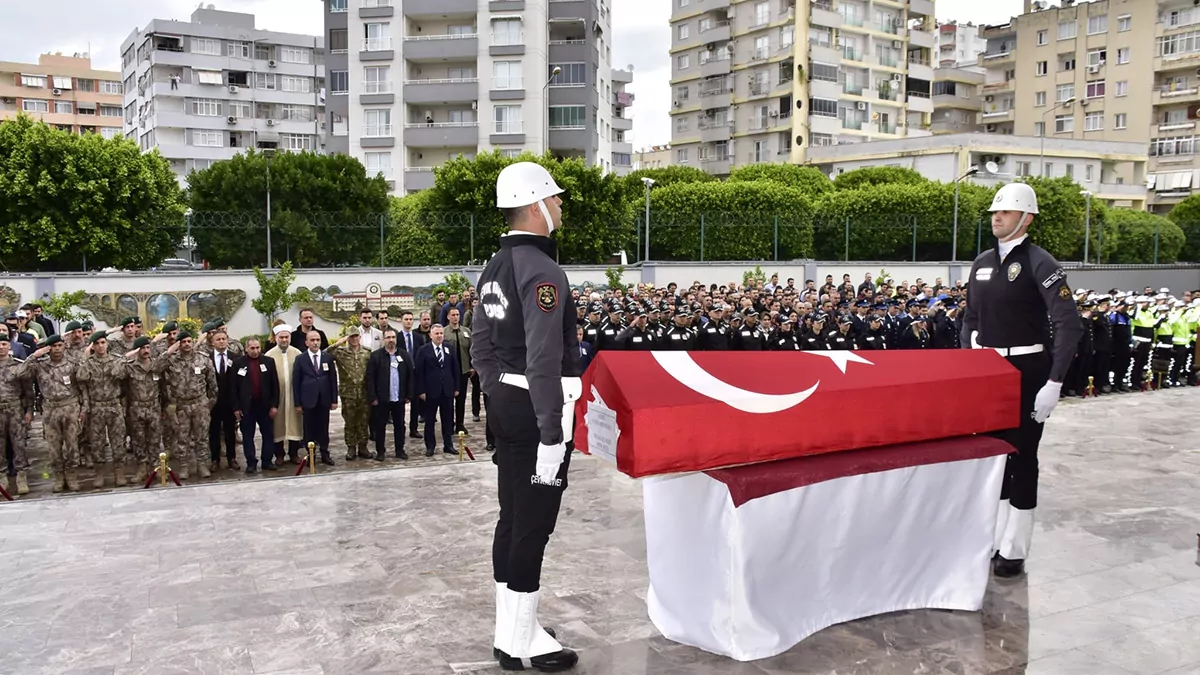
pixel 314 393
pixel 410 340
pixel 221 422
pixel 585 350
pixel 256 401
pixel 437 378
pixel 389 383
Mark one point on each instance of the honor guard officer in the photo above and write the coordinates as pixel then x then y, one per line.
pixel 1017 292
pixel 591 327
pixel 526 351
pixel 842 339
pixel 785 339
pixel 874 337
pixel 714 336
pixel 679 337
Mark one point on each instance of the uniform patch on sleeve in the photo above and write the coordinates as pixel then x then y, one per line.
pixel 1064 292
pixel 547 297
pixel 1058 274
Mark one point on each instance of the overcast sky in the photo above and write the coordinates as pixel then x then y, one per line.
pixel 642 36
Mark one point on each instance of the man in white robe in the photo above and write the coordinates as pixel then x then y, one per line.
pixel 288 424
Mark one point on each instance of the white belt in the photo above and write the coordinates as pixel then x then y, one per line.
pixel 1138 338
pixel 572 390
pixel 1018 351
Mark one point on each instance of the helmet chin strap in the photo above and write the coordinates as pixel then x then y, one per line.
pixel 546 214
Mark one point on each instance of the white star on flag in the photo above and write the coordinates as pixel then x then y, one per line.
pixel 841 358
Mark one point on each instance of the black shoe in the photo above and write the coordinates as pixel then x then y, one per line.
pixel 496 653
pixel 327 460
pixel 414 434
pixel 1006 569
pixel 379 456
pixel 491 448
pixel 267 466
pixel 429 452
pixel 448 451
pixel 400 454
pixel 251 470
pixel 351 457
pixel 564 659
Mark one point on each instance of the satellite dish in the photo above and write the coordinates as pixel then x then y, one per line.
pixel 992 167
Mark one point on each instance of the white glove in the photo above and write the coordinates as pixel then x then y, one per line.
pixel 1043 405
pixel 549 458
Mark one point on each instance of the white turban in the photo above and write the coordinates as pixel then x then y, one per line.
pixel 281 328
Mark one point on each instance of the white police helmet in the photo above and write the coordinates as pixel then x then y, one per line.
pixel 1015 197
pixel 526 183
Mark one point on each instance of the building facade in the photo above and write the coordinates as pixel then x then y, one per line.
pixel 415 84
pixel 958 44
pixel 205 90
pixel 1110 70
pixel 64 92
pixel 764 80
pixel 653 157
pixel 1098 166
pixel 957 99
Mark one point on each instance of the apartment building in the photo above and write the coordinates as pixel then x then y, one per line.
pixel 64 92
pixel 957 99
pixel 763 80
pixel 205 89
pixel 958 45
pixel 1110 70
pixel 653 157
pixel 417 83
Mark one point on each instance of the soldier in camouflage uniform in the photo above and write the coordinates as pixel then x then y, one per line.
pixel 16 411
pixel 65 408
pixel 351 360
pixel 193 390
pixel 103 374
pixel 145 406
pixel 73 337
pixel 159 345
pixel 210 329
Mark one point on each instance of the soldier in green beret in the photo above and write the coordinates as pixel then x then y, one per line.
pixel 102 374
pixel 65 408
pixel 16 411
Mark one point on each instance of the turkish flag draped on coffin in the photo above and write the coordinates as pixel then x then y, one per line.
pixel 671 412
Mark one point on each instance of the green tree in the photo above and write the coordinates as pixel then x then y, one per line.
pixel 730 221
pixel 635 190
pixel 1059 226
pixel 1186 215
pixel 1139 233
pixel 274 295
pixel 411 242
pixel 613 276
pixel 877 175
pixel 64 196
pixel 454 282
pixel 324 210
pixel 807 179
pixel 61 306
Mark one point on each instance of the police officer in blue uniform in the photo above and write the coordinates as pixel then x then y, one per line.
pixel 1017 292
pixel 525 348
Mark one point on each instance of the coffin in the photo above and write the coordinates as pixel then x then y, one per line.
pixel 655 413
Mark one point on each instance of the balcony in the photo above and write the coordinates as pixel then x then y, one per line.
pixel 716 164
pixel 995 115
pixel 823 14
pixel 919 68
pixel 851 54
pixel 714 67
pixel 716 31
pixel 569 51
pixel 442 135
pixel 919 102
pixel 955 101
pixel 569 9
pixel 441 90
pixel 851 124
pixel 1122 191
pixel 377 49
pixel 430 48
pixel 622 123
pixel 920 38
pixel 712 5
pixel 716 97
pixel 921 7
pixel 418 178
pixel 998 58
pixel 1176 61
pixel 997 31
pixel 1003 87
pixel 1168 95
pixel 426 8
pixel 375 9
pixel 570 138
pixel 715 130
pixel 1177 126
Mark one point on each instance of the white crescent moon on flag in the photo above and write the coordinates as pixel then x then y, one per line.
pixel 681 367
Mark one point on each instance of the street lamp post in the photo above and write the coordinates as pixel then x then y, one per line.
pixel 1042 154
pixel 268 153
pixel 1087 224
pixel 648 182
pixel 954 242
pixel 546 108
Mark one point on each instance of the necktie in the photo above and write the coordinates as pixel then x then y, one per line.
pixel 222 370
pixel 316 361
pixel 408 342
pixel 439 355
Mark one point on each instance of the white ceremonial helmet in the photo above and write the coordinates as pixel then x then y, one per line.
pixel 526 183
pixel 1015 197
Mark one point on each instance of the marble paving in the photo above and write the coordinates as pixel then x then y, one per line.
pixel 387 571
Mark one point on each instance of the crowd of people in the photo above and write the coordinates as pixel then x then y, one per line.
pixel 113 399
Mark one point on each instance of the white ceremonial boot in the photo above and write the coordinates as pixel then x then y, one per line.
pixel 1015 544
pixel 1001 524
pixel 524 644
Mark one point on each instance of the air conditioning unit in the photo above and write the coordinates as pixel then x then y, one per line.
pixel 896 44
pixel 897 79
pixel 474 105
pixel 989 99
pixel 675 104
pixel 231 119
pixel 6 100
pixel 270 123
pixel 990 128
pixel 56 92
pixel 233 89
pixel 1094 69
pixel 1084 102
pixel 774 113
pixel 710 46
pixel 271 63
pixel 862 105
pixel 729 46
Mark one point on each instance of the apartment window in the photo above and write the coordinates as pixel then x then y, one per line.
pixel 508 119
pixel 1022 168
pixel 568 116
pixel 467 73
pixel 1123 55
pixel 510 153
pixel 1039 128
pixel 1097 24
pixel 683 32
pixel 681 92
pixel 1087 173
pixel 1172 146
pixel 299 113
pixel 621 159
pixel 1124 23
pixel 681 156
pixel 823 107
pixel 1175 117
pixel 110 132
pixel 1123 88
pixel 38 81
pixel 337 6
pixel 681 124
pixel 1070 171
pixel 299 85
pixel 110 111
pixel 85 84
pixel 462 117
pixel 1097 57
pixel 296 142
pixel 507 75
pixel 63 107
pixel 262 52
pixel 683 62
pixel 208 77
pixel 1119 120
pixel 1093 121
pixel 206 107
pixel 1067 64
pixel 1064 124
pixel 762 47
pixel 506 32
pixel 787 35
pixel 1066 30
pixel 61 82
pixel 339 40
pixel 1178 44
pixel 239 50
pixel 825 72
pixel 1042 68
pixel 108 87
pixel 572 75
pixel 683 3
pixel 1095 89
pixel 206 46
pixel 295 54
pixel 463 29
pixel 762 14
pixel 377 79
pixel 822 140
pixel 1039 99
pixel 86 109
pixel 240 109
pixel 1048 169
pixel 1063 92
pixel 377 122
pixel 207 138
pixel 339 82
pixel 1042 38
pixel 378 164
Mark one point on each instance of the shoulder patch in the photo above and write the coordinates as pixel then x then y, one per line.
pixel 1064 292
pixel 547 297
pixel 1058 274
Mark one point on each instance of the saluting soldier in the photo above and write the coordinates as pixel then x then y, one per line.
pixel 1017 292
pixel 916 335
pixel 637 337
pixel 65 405
pixel 103 374
pixel 144 388
pixel 193 382
pixel 351 361
pixel 16 410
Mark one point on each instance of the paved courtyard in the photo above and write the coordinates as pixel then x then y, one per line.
pixel 388 571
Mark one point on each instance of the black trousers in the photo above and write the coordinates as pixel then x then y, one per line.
pixel 257 417
pixel 1021 470
pixel 414 413
pixel 476 392
pixel 1101 363
pixel 487 422
pixel 316 427
pixel 528 509
pixel 1122 357
pixel 1179 370
pixel 460 402
pixel 1084 365
pixel 222 426
pixel 382 416
pixel 1141 355
pixel 433 408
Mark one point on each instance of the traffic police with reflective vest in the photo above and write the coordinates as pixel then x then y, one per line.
pixel 1017 292
pixel 526 351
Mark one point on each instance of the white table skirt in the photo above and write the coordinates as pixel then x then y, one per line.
pixel 753 581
